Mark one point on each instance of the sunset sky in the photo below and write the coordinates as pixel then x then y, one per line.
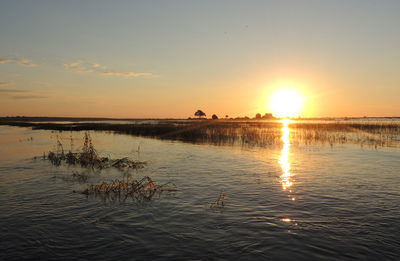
pixel 159 59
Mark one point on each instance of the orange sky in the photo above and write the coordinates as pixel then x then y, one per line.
pixel 166 60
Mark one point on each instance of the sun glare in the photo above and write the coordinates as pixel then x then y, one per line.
pixel 286 103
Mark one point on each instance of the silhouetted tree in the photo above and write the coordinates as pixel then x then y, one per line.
pixel 268 116
pixel 214 117
pixel 199 113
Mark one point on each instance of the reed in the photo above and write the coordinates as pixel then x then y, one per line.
pixel 244 133
pixel 89 158
pixel 220 202
pixel 145 188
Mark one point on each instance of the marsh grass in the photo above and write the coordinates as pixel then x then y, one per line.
pixel 145 188
pixel 89 158
pixel 244 133
pixel 364 134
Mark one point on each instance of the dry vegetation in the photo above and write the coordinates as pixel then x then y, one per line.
pixel 89 157
pixel 245 133
pixel 220 202
pixel 145 188
pixel 368 134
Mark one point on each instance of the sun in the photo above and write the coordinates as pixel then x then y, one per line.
pixel 286 102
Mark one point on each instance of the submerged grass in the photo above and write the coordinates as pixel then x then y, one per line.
pixel 76 177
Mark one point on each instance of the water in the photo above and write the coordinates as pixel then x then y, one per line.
pixel 290 202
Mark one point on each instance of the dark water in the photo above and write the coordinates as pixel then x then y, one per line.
pixel 340 203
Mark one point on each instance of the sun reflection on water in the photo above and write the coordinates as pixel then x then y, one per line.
pixel 286 179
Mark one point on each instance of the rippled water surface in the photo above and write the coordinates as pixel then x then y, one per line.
pixel 287 202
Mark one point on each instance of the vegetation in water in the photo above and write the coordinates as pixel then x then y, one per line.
pixel 244 133
pixel 220 202
pixel 142 189
pixel 145 188
pixel 88 157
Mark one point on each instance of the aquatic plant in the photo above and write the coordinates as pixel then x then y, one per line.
pixel 244 133
pixel 54 158
pixel 220 202
pixel 145 188
pixel 89 157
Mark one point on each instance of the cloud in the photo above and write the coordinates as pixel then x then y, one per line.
pixel 6 83
pixel 26 97
pixel 89 67
pixel 45 84
pixel 19 94
pixel 11 91
pixel 19 61
pixel 95 65
pixel 126 74
pixel 79 66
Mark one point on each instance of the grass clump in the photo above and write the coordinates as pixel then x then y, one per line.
pixel 145 188
pixel 88 157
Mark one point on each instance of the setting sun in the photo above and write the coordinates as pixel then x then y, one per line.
pixel 286 103
pixel 252 129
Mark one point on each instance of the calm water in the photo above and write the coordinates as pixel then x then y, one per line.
pixel 289 202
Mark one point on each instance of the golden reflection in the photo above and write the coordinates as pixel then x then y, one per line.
pixel 284 159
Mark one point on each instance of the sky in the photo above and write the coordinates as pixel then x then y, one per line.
pixel 167 59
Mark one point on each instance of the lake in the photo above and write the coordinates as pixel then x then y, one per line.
pixel 288 201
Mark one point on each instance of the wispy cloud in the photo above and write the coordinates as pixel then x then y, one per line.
pixel 6 83
pixel 20 94
pixel 79 66
pixel 19 61
pixel 45 84
pixel 126 74
pixel 11 91
pixel 89 67
pixel 95 65
pixel 26 97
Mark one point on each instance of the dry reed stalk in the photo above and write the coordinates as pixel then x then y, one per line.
pixel 144 188
pixel 220 202
pixel 89 157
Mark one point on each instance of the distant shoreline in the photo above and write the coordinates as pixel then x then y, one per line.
pixel 78 119
pixel 371 131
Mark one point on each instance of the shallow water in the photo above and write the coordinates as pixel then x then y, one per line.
pixel 294 202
